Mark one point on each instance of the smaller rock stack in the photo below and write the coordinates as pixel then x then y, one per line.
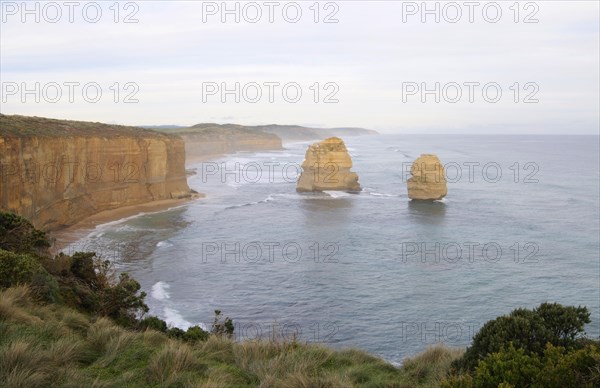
pixel 428 181
pixel 327 167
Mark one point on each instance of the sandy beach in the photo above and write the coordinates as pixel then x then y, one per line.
pixel 73 233
pixel 69 235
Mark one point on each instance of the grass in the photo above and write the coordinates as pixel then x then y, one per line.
pixel 232 132
pixel 26 126
pixel 42 345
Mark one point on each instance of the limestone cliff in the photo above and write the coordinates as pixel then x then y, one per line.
pixel 57 172
pixel 428 181
pixel 327 167
pixel 266 135
pixel 203 141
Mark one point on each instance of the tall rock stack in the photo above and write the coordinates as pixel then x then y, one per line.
pixel 327 167
pixel 428 181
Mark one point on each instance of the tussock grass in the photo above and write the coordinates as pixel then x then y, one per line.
pixel 74 320
pixel 66 351
pixel 432 365
pixel 154 338
pixel 170 362
pixel 70 349
pixel 21 365
pixel 101 333
pixel 114 347
pixel 12 306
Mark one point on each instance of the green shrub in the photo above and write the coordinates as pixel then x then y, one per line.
pixel 576 368
pixel 175 332
pixel 122 301
pixel 529 330
pixel 17 268
pixel 511 366
pixel 18 235
pixel 557 367
pixel 82 266
pixel 195 333
pixel 45 287
pixel 153 323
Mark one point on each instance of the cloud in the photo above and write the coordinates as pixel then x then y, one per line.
pixel 368 55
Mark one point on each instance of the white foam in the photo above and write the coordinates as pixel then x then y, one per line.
pixel 160 291
pixel 173 318
pixel 270 198
pixel 164 244
pixel 337 194
pixel 375 194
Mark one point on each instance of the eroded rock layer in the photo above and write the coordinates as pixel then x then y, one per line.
pixel 327 167
pixel 428 181
pixel 57 172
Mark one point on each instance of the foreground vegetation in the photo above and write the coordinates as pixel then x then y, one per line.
pixel 55 345
pixel 71 321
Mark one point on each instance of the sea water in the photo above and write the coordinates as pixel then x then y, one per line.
pixel 519 227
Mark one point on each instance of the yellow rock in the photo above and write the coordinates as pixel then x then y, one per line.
pixel 57 180
pixel 327 167
pixel 428 181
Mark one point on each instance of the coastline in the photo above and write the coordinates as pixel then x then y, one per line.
pixel 71 234
pixel 191 160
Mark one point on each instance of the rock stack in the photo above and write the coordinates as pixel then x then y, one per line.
pixel 327 167
pixel 428 181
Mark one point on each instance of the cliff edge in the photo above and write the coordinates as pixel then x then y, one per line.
pixel 58 172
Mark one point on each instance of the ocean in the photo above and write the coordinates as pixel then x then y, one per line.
pixel 520 226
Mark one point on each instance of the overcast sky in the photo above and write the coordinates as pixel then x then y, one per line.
pixel 369 61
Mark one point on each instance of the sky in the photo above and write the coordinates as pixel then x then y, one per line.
pixel 494 68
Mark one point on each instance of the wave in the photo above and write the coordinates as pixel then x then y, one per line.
pixel 270 198
pixel 160 291
pixel 171 315
pixel 275 155
pixel 398 150
pixel 164 244
pixel 376 194
pixel 175 319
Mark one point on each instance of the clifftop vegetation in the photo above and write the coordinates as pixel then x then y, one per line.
pixel 27 126
pixel 285 132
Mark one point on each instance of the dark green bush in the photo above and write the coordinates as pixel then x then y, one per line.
pixel 17 268
pixel 122 301
pixel 175 332
pixel 557 367
pixel 195 333
pixel 511 366
pixel 153 323
pixel 46 288
pixel 82 266
pixel 18 235
pixel 529 330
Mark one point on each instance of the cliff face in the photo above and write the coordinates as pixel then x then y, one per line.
pixel 56 173
pixel 203 141
pixel 428 181
pixel 327 167
pixel 202 145
pixel 265 134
